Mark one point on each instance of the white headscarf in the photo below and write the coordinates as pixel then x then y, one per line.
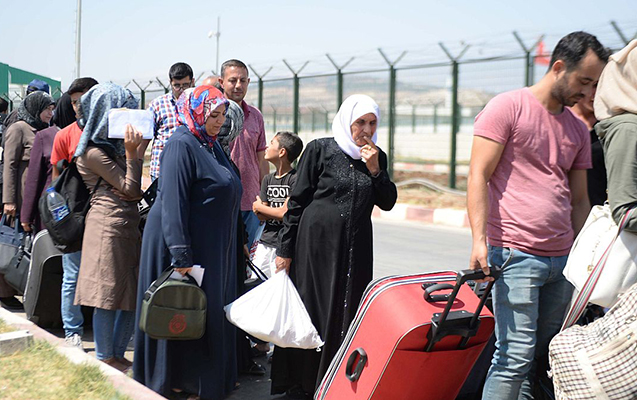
pixel 617 88
pixel 354 107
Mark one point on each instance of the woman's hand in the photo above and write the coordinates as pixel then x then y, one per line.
pixel 369 155
pixel 141 150
pixel 282 264
pixel 9 209
pixel 132 140
pixel 26 227
pixel 183 271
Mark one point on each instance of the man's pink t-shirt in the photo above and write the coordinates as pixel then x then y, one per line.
pixel 244 151
pixel 529 194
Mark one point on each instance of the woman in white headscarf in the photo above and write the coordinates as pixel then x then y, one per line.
pixel 616 110
pixel 326 242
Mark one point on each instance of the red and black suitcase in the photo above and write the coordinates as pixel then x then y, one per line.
pixel 413 337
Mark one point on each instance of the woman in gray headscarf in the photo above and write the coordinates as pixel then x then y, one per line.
pixel 112 170
pixel 34 114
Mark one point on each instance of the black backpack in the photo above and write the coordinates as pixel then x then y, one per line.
pixel 67 233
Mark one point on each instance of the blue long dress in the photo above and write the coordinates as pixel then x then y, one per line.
pixel 193 221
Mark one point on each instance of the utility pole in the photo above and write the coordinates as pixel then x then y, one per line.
pixel 216 34
pixel 78 37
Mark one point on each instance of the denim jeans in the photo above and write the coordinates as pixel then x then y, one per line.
pixel 529 300
pixel 112 330
pixel 72 318
pixel 254 227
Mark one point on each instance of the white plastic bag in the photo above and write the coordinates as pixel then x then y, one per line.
pixel 274 312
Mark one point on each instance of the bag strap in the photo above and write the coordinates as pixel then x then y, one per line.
pixel 581 300
pixel 162 279
pixel 257 271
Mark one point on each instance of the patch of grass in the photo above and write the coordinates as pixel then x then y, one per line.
pixel 40 372
pixel 4 327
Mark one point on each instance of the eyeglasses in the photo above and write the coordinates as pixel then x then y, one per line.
pixel 180 86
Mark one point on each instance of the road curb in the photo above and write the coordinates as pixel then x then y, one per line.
pixel 120 381
pixel 439 216
pixel 13 342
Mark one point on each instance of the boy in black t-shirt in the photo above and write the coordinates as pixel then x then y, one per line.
pixel 271 205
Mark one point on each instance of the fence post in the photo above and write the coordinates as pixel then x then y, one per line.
pixel 436 117
pixel 529 59
pixel 166 88
pixel 274 119
pixel 413 118
pixel 339 79
pixel 296 121
pixel 143 93
pixel 455 112
pixel 392 110
pixel 313 118
pixel 621 34
pixel 260 85
pixel 327 119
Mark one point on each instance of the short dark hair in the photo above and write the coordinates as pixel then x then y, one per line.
pixel 81 85
pixel 4 105
pixel 574 46
pixel 232 63
pixel 180 71
pixel 291 142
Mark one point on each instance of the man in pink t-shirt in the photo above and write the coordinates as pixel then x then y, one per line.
pixel 248 149
pixel 527 198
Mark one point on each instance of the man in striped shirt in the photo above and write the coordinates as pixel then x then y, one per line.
pixel 165 112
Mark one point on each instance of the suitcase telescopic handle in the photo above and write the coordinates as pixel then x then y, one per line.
pixel 461 323
pixel 358 357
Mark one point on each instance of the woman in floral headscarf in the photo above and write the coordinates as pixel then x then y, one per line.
pixel 193 221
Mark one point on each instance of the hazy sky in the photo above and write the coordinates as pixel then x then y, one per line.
pixel 141 39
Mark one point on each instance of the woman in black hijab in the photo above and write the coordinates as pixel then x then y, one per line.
pixel 64 114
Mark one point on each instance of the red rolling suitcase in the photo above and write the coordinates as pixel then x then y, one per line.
pixel 413 337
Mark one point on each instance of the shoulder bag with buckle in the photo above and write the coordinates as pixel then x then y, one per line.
pixel 173 309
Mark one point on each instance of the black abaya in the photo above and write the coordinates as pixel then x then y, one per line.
pixel 328 234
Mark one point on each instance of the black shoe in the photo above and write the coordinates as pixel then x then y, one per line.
pixel 297 393
pixel 11 303
pixel 256 353
pixel 255 369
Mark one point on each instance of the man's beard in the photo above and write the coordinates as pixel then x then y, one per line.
pixel 561 92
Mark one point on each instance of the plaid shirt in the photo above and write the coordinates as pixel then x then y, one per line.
pixel 165 115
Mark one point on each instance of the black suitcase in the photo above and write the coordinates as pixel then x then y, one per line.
pixel 42 297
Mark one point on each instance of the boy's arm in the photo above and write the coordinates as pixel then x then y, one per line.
pixel 265 212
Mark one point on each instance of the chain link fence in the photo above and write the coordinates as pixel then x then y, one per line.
pixel 428 97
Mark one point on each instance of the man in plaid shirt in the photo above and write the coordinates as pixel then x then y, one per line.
pixel 165 112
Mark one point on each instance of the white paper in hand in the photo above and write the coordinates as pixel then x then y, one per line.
pixel 196 272
pixel 275 313
pixel 118 118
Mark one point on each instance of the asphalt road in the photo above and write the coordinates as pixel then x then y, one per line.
pixel 411 247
